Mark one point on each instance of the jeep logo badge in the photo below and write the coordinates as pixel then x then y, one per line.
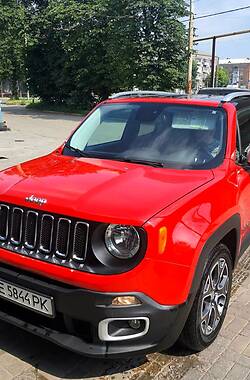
pixel 33 199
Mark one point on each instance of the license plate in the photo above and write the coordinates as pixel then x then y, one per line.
pixel 27 298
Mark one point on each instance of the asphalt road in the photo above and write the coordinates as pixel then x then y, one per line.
pixel 26 357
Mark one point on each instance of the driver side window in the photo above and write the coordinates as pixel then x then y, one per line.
pixel 244 129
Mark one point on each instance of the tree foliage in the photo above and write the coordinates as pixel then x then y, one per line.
pixel 222 77
pixel 82 50
pixel 12 42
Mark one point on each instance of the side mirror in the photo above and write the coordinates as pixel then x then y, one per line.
pixel 248 157
pixel 246 162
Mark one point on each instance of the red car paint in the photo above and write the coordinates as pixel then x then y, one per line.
pixel 191 204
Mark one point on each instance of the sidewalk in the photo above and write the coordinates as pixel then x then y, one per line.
pixel 229 357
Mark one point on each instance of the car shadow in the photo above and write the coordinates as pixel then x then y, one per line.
pixel 178 351
pixel 46 357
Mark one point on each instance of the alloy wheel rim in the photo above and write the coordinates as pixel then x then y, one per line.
pixel 214 297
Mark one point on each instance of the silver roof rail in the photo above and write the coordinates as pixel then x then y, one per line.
pixel 142 94
pixel 234 95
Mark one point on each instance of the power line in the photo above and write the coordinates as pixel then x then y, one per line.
pixel 220 13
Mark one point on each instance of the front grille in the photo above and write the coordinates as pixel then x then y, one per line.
pixel 54 238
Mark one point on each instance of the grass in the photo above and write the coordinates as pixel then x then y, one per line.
pixel 42 106
pixel 21 101
pixel 36 104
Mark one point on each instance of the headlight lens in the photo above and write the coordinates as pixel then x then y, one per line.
pixel 122 241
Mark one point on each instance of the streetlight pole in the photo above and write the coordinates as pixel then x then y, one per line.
pixel 190 48
pixel 213 68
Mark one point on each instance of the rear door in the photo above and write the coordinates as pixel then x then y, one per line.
pixel 243 175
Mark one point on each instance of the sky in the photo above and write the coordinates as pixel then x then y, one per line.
pixel 230 47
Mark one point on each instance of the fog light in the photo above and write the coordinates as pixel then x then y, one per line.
pixel 135 324
pixel 126 301
pixel 121 329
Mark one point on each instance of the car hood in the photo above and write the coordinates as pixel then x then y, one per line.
pixel 95 189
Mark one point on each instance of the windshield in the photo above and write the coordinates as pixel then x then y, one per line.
pixel 178 136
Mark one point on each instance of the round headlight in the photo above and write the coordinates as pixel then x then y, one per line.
pixel 122 241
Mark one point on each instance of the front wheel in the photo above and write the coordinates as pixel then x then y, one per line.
pixel 210 305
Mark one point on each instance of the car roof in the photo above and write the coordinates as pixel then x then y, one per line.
pixel 199 97
pixel 208 97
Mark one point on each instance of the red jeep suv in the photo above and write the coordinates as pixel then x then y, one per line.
pixel 124 239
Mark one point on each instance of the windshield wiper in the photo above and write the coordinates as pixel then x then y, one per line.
pixel 79 151
pixel 155 164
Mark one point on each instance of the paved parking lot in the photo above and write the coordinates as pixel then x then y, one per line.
pixel 32 134
pixel 25 357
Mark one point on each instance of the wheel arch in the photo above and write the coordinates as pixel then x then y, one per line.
pixel 230 240
pixel 229 234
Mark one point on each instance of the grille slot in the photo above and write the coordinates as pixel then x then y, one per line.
pixel 31 229
pixel 80 241
pixel 62 239
pixel 52 238
pixel 47 228
pixel 16 226
pixel 4 221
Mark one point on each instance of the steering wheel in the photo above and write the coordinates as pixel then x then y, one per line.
pixel 202 156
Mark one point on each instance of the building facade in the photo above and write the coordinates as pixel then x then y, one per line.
pixel 239 71
pixel 204 68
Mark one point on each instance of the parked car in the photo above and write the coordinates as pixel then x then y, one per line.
pixel 3 124
pixel 124 239
pixel 220 90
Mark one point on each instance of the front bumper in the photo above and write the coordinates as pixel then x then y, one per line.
pixel 79 313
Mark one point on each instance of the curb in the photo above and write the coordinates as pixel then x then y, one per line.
pixel 36 110
pixel 63 113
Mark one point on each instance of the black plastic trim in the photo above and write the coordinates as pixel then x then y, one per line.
pixel 89 308
pixel 233 223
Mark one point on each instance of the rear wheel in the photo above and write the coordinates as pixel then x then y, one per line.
pixel 210 305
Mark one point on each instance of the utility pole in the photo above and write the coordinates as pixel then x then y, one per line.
pixel 213 68
pixel 190 48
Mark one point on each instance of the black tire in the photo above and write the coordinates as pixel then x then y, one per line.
pixel 197 333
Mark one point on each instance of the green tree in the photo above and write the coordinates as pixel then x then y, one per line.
pixel 34 4
pixel 222 77
pixel 194 74
pixel 147 42
pixel 61 60
pixel 12 42
pixel 85 50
